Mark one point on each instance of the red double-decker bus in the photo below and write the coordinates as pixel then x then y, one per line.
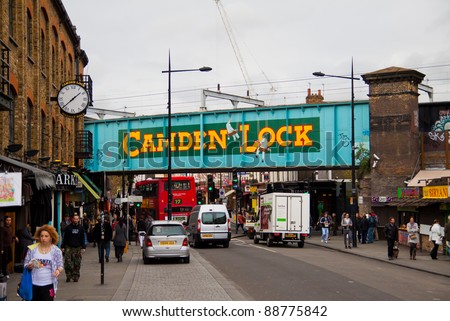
pixel 154 197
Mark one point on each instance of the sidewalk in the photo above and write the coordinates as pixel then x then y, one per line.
pixel 131 280
pixel 378 251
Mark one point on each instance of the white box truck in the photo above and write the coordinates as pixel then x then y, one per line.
pixel 282 217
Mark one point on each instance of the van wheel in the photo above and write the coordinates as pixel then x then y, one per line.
pixel 301 244
pixel 269 242
pixel 226 244
pixel 256 240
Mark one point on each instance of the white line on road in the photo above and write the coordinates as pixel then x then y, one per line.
pixel 242 243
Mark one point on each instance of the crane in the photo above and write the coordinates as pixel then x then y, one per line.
pixel 237 52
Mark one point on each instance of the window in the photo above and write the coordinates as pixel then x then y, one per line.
pixel 214 218
pixel 161 230
pixel 29 34
pixel 28 122
pixel 43 136
pixel 43 52
pixel 179 185
pixel 11 14
pixel 149 190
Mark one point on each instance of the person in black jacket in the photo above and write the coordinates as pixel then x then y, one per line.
pixel 107 236
pixel 73 246
pixel 391 235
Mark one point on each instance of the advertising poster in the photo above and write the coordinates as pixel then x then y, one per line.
pixel 10 189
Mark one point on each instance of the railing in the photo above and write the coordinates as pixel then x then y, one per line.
pixel 83 145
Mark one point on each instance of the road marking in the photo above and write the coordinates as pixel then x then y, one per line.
pixel 262 248
pixel 242 243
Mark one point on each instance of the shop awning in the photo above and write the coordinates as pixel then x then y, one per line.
pixel 424 177
pixel 95 187
pixel 43 179
pixel 229 192
pixel 87 186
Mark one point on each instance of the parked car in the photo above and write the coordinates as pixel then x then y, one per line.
pixel 209 223
pixel 165 239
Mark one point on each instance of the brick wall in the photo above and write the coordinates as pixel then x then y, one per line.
pixel 37 77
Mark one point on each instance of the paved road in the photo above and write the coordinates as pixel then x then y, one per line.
pixel 323 273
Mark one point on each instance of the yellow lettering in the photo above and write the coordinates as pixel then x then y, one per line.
pixel 147 144
pixel 301 135
pixel 280 132
pixel 196 135
pixel 133 153
pixel 247 149
pixel 270 132
pixel 161 140
pixel 214 136
pixel 185 141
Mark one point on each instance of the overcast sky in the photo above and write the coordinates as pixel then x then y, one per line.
pixel 282 42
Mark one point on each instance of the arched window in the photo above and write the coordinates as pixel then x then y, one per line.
pixel 43 52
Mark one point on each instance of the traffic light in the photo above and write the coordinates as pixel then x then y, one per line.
pixel 235 180
pixel 199 197
pixel 138 204
pixel 211 188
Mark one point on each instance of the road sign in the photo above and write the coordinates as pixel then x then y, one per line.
pixel 222 193
pixel 134 198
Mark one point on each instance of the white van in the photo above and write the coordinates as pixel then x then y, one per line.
pixel 209 223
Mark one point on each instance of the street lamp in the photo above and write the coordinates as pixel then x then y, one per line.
pixel 353 199
pixel 169 133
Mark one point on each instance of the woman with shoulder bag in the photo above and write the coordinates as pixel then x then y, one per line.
pixel 413 237
pixel 45 260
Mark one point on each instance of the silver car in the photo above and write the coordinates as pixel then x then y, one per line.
pixel 165 239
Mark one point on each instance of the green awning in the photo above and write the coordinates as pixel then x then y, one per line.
pixel 90 182
pixel 87 186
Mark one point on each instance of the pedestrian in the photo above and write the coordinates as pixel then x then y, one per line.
pixel 413 237
pixel 325 222
pixel 358 227
pixel 7 240
pixel 371 230
pixel 66 222
pixel 240 223
pixel 120 238
pixel 73 246
pixel 447 236
pixel 25 239
pixel 347 227
pixel 102 233
pixel 391 235
pixel 45 260
pixel 141 230
pixel 334 224
pixel 436 238
pixel 364 228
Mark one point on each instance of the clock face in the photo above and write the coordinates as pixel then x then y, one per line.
pixel 73 99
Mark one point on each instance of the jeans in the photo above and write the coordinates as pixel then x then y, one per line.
pixel 325 233
pixel 370 235
pixel 348 238
pixel 107 249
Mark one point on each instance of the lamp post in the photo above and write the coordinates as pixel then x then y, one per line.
pixel 353 198
pixel 169 132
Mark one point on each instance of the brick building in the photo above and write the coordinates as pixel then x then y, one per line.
pixel 40 51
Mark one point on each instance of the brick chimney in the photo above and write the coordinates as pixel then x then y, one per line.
pixel 314 98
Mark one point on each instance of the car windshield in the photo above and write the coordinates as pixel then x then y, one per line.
pixel 214 218
pixel 161 230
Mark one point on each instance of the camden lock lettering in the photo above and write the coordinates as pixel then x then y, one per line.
pixel 247 138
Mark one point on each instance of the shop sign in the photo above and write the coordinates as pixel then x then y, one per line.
pixel 435 192
pixel 66 179
pixel 10 189
pixel 381 199
pixel 408 192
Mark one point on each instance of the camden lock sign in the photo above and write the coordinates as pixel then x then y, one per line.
pixel 286 136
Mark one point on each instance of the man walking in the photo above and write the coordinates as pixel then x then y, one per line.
pixel 6 245
pixel 391 235
pixel 73 245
